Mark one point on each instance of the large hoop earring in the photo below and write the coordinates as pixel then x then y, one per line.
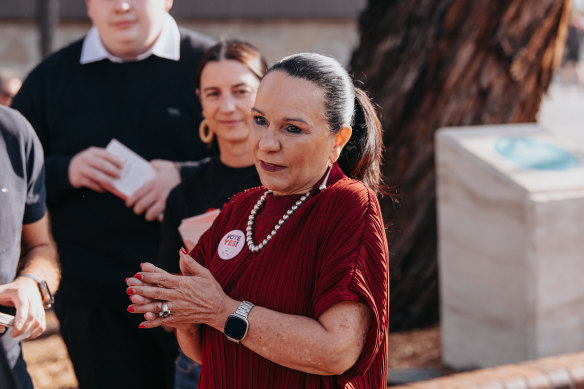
pixel 205 132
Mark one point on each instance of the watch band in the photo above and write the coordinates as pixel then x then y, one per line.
pixel 243 309
pixel 46 295
pixel 236 325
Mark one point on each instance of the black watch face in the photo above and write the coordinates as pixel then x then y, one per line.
pixel 235 327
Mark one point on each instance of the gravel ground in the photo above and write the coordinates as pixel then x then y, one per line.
pixel 48 363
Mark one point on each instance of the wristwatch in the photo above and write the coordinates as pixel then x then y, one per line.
pixel 46 295
pixel 236 325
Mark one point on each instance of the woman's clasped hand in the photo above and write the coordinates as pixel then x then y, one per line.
pixel 194 297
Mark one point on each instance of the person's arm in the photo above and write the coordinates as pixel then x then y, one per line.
pixel 39 253
pixel 170 238
pixel 189 340
pixel 327 346
pixel 39 258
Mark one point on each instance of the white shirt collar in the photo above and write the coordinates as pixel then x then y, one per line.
pixel 166 46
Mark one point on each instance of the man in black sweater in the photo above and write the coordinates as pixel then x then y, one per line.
pixel 131 78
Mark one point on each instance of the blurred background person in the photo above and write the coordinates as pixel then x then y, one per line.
pixel 9 85
pixel 301 298
pixel 131 78
pixel 29 269
pixel 227 80
pixel 570 68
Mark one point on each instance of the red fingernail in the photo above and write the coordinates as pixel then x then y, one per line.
pixel 141 264
pixel 182 250
pixel 131 291
pixel 127 278
pixel 142 326
pixel 138 276
pixel 131 309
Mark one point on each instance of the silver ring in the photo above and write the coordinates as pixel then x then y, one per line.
pixel 165 312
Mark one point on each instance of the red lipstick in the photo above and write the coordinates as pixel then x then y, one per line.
pixel 269 167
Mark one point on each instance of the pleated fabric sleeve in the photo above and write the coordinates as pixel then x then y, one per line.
pixel 353 266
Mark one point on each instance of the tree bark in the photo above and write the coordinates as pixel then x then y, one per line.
pixel 435 63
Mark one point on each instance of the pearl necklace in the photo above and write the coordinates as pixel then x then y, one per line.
pixel 249 230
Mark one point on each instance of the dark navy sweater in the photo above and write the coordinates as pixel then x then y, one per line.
pixel 151 107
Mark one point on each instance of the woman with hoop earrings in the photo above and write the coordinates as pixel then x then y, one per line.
pixel 227 80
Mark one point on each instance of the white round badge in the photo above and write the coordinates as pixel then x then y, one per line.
pixel 231 244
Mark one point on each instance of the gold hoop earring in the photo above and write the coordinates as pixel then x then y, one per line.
pixel 205 132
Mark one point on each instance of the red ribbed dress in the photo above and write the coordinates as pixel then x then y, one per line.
pixel 332 249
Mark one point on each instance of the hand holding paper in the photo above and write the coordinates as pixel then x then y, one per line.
pixel 135 173
pixel 94 168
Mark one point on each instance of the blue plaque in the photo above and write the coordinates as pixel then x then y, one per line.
pixel 535 154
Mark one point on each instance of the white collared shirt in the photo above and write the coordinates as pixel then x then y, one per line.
pixel 167 45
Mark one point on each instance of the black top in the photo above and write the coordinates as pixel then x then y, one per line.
pixel 151 107
pixel 22 197
pixel 209 188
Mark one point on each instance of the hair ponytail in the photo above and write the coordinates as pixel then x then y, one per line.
pixel 361 156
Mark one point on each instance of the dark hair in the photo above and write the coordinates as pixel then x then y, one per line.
pixel 345 105
pixel 243 52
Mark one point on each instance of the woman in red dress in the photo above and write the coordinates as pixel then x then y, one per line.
pixel 289 288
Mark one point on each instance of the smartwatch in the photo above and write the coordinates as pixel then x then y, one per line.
pixel 236 325
pixel 46 295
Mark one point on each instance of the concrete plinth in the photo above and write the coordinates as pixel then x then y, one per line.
pixel 511 244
